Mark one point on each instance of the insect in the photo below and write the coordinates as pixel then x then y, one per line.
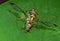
pixel 31 17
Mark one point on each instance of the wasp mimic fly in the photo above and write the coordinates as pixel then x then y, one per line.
pixel 31 17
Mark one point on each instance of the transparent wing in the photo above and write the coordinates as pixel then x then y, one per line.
pixel 17 8
pixel 46 23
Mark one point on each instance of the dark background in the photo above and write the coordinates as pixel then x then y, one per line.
pixel 2 1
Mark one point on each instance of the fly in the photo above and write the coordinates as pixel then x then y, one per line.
pixel 31 17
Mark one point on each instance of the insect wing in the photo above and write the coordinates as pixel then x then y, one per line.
pixel 46 23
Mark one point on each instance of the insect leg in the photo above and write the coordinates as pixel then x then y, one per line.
pixel 17 8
